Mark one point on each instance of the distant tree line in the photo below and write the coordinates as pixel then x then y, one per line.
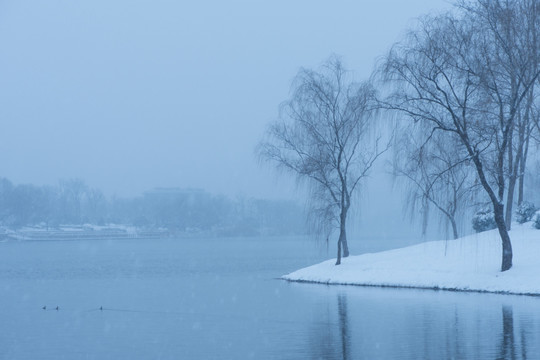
pixel 72 202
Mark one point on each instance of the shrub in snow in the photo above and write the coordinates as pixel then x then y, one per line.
pixel 525 212
pixel 484 220
pixel 536 219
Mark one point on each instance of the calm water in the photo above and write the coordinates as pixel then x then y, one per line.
pixel 220 299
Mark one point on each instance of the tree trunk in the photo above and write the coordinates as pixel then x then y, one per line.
pixel 521 179
pixel 515 166
pixel 338 261
pixel 526 136
pixel 498 210
pixel 510 201
pixel 454 228
pixel 520 188
pixel 522 166
pixel 342 241
pixel 343 233
pixel 505 238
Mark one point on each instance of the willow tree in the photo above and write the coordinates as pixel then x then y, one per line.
pixel 466 75
pixel 438 175
pixel 323 136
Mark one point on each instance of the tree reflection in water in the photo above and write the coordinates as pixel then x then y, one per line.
pixel 507 348
pixel 374 323
pixel 330 339
pixel 343 325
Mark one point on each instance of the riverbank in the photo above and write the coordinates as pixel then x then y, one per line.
pixel 471 263
pixel 81 232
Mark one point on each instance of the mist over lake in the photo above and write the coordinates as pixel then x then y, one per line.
pixel 269 180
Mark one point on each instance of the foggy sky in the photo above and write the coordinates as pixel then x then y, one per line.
pixel 130 95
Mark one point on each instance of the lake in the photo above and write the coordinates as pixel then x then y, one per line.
pixel 221 299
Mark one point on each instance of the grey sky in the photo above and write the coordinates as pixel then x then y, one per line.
pixel 130 95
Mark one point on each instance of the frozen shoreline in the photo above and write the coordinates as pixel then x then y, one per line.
pixel 471 264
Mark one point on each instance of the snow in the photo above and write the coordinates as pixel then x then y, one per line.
pixel 471 263
pixel 78 232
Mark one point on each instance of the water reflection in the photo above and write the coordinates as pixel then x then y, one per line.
pixel 507 348
pixel 229 307
pixel 330 338
pixel 395 324
pixel 343 325
pixel 322 342
pixel 523 335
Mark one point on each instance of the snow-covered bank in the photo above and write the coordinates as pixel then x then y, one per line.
pixel 471 263
pixel 81 232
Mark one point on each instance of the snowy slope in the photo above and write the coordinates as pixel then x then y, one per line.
pixel 471 263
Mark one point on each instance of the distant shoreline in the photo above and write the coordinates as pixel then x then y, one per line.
pixel 115 232
pixel 83 232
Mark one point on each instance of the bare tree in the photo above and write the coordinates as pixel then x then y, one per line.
pixel 518 152
pixel 460 75
pixel 71 195
pixel 438 173
pixel 526 133
pixel 323 137
pixel 509 55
